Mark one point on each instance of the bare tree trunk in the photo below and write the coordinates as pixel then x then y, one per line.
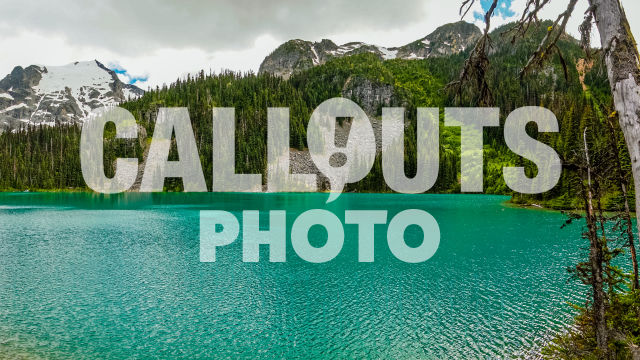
pixel 596 258
pixel 622 180
pixel 621 57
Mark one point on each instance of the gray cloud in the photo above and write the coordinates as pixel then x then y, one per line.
pixel 137 26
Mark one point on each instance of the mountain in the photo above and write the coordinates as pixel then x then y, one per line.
pixel 49 95
pixel 298 55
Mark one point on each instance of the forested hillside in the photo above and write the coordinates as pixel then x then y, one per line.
pixel 48 158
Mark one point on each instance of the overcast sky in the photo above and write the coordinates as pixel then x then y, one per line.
pixel 155 42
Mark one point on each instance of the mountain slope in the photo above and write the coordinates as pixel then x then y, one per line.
pixel 298 55
pixel 49 95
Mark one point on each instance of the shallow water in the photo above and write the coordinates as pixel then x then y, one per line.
pixel 94 276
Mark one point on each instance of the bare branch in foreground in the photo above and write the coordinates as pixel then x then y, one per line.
pixel 548 43
pixel 476 66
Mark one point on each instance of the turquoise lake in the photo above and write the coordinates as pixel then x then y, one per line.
pixel 87 276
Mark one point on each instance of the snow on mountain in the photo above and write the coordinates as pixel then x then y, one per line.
pixel 50 95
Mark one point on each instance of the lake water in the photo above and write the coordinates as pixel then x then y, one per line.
pixel 92 276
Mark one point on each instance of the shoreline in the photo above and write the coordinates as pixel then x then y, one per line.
pixel 508 203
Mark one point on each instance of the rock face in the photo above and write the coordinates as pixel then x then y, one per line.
pixel 50 95
pixel 370 95
pixel 298 55
pixel 446 40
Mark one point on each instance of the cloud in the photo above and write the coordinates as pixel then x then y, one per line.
pixel 125 76
pixel 503 9
pixel 138 27
pixel 166 39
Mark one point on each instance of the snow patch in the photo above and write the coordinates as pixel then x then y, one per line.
pixel 316 58
pixel 14 107
pixel 343 49
pixel 129 94
pixel 388 54
pixel 73 76
pixel 82 80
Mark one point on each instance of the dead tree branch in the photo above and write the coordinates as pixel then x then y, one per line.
pixel 529 16
pixel 476 66
pixel 549 42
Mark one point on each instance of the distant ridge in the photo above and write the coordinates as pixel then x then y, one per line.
pixel 298 55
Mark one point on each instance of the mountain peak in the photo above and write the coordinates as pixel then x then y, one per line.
pixel 49 95
pixel 298 55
